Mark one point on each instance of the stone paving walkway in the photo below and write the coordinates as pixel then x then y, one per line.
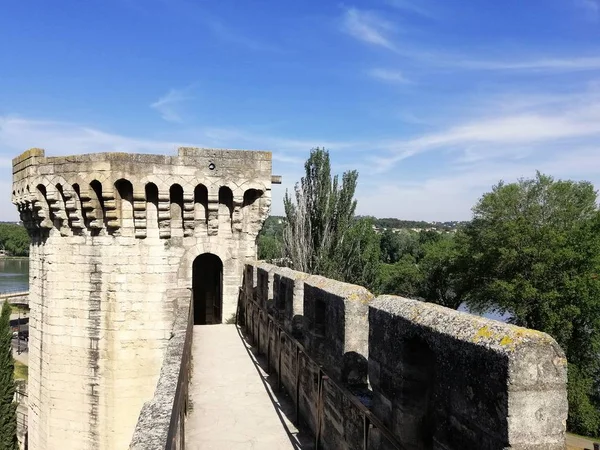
pixel 232 406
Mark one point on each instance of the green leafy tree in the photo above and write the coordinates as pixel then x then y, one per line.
pixel 401 278
pixel 319 217
pixel 394 245
pixel 8 408
pixel 533 250
pixel 269 248
pixel 438 272
pixel 14 239
pixel 273 226
pixel 389 247
pixel 358 257
pixel 425 237
pixel 584 415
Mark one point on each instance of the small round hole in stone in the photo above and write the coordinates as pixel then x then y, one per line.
pixel 212 166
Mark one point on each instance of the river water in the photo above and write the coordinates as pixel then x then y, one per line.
pixel 14 275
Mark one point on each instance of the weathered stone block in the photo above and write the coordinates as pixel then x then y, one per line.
pixel 443 379
pixel 336 327
pixel 288 293
pixel 264 284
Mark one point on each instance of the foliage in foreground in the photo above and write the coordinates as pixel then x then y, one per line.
pixel 8 417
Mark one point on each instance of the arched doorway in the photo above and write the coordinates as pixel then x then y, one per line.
pixel 207 283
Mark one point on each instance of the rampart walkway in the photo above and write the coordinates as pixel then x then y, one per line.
pixel 231 400
pixel 16 297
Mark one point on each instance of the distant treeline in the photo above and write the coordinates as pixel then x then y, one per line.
pixel 274 224
pixel 391 222
pixel 14 239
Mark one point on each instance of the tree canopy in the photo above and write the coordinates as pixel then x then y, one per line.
pixel 533 250
pixel 322 235
pixel 319 215
pixel 14 239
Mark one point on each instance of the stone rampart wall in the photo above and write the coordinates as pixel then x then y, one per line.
pixel 437 378
pixel 154 422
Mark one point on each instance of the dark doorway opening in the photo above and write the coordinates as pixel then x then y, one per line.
pixel 207 283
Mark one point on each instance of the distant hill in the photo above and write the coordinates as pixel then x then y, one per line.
pixel 393 223
pixel 274 224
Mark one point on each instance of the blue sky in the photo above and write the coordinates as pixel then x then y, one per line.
pixel 431 101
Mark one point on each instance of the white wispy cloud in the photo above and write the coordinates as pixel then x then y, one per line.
pixel 552 64
pixel 223 136
pixel 288 159
pixel 590 6
pixel 451 194
pixel 62 138
pixel 527 129
pixel 229 34
pixel 413 6
pixel 390 76
pixel 556 133
pixel 167 105
pixel 199 15
pixel 368 27
pixel 519 100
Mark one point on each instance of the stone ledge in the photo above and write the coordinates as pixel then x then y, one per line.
pixel 492 334
pixel 152 428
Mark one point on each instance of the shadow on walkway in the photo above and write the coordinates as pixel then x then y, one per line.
pixel 301 438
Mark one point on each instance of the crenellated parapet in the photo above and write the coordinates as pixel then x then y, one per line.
pixel 428 377
pixel 198 192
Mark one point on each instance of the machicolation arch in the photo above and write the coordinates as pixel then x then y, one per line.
pixel 113 208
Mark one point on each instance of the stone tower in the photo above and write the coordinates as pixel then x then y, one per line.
pixel 117 239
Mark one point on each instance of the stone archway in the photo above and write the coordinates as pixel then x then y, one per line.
pixel 207 285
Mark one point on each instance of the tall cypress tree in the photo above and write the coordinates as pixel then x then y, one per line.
pixel 8 408
pixel 319 218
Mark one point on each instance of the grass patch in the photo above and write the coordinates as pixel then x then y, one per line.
pixel 17 308
pixel 21 371
pixel 590 438
pixel 574 442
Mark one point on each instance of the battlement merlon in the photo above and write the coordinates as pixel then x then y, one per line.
pixel 185 156
pixel 25 160
pixel 196 162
